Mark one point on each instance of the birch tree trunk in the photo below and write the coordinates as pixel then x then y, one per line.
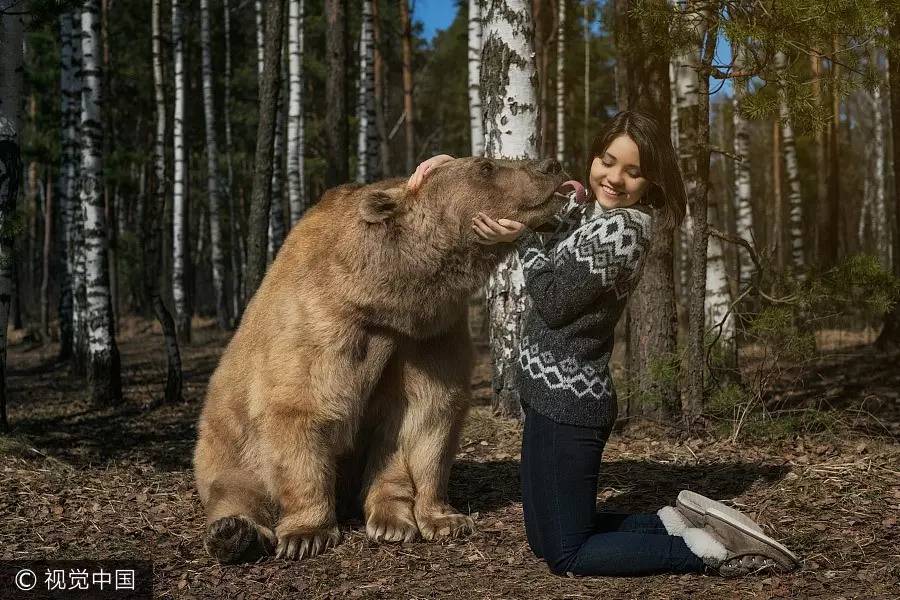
pixel 276 205
pixel 821 145
pixel 151 224
pixel 296 191
pixel 338 170
pixel 212 175
pixel 12 65
pixel 742 188
pixel 265 134
pixel 65 198
pixel 180 229
pixel 882 233
pixel 104 373
pixel 510 117
pixel 791 170
pixel 409 127
pixel 236 240
pixel 367 138
pixel 476 126
pixel 561 83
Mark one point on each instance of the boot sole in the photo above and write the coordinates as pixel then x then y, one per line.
pixel 696 506
pixel 718 519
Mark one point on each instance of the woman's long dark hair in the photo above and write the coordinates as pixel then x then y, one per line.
pixel 659 163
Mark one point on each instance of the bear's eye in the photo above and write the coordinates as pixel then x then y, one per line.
pixel 487 168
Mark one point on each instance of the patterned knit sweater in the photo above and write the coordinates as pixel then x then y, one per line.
pixel 579 284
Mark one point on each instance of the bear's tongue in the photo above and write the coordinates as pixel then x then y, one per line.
pixel 580 193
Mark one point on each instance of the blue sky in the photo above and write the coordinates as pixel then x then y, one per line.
pixel 434 14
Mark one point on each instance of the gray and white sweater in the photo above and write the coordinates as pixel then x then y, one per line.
pixel 579 284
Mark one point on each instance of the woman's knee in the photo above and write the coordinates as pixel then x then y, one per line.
pixel 560 560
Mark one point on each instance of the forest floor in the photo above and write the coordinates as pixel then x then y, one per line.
pixel 78 482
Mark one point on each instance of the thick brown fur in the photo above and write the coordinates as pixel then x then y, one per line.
pixel 355 349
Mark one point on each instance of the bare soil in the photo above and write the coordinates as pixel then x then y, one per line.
pixel 79 482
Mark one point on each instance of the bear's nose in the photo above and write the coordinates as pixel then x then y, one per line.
pixel 550 166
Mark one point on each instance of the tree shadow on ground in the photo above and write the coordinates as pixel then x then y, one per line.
pixel 636 485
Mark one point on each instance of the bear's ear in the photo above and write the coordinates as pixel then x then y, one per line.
pixel 379 206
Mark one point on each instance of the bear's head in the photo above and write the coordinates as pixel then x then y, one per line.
pixel 454 192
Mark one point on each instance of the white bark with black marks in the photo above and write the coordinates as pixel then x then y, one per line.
pixel 295 164
pixel 561 83
pixel 367 136
pixel 180 245
pixel 742 188
pixel 476 125
pixel 509 102
pixel 791 169
pixel 103 372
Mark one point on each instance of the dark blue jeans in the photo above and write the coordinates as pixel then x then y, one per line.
pixel 559 471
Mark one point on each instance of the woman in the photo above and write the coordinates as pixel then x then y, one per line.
pixel 579 283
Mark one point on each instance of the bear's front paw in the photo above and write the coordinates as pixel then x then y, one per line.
pixel 445 524
pixel 300 544
pixel 391 523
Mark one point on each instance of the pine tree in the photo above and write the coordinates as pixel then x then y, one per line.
pixel 409 122
pixel 338 169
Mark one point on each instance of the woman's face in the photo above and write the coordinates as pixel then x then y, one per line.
pixel 616 178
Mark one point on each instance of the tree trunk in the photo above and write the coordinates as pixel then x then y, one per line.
pixel 697 160
pixel 882 232
pixel 792 171
pixel 778 198
pixel 829 228
pixel 889 339
pixel 742 189
pixel 367 138
pixel 821 144
pixel 265 134
pixel 276 205
pixel 212 175
pixel 380 94
pixel 561 84
pixel 585 140
pixel 544 15
pixel 46 251
pixel 652 315
pixel 235 240
pixel 181 254
pixel 104 374
pixel 151 224
pixel 296 191
pixel 337 170
pixel 409 127
pixel 476 126
pixel 12 65
pixel 510 117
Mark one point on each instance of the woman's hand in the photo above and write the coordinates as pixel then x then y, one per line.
pixel 416 179
pixel 489 231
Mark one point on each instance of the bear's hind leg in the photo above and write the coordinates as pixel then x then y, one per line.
pixel 389 502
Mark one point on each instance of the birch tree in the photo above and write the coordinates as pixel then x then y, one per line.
pixel 212 174
pixel 151 226
pixel 791 169
pixel 474 61
pixel 180 230
pixel 276 205
pixel 295 163
pixel 561 83
pixel 367 140
pixel 12 65
pixel 742 189
pixel 510 116
pixel 380 94
pixel 104 373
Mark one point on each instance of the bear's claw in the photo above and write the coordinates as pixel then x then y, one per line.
pixel 237 539
pixel 446 525
pixel 307 544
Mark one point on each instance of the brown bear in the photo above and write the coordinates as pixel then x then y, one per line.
pixel 351 366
